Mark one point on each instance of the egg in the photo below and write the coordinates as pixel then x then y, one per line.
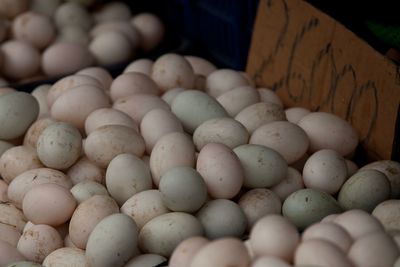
pixel 263 167
pixel 352 168
pixel 72 34
pixel 388 213
pixel 49 204
pixel 127 175
pixel 9 254
pixel 146 260
pixel 222 218
pixel 100 74
pixel 27 180
pixel 33 28
pixel 40 93
pixel 307 206
pixel 222 252
pixel 162 234
pixel 45 7
pixel 17 112
pixel 292 183
pixel 269 96
pixel 194 107
pixel 295 114
pixel 267 261
pixel 39 241
pixel 257 203
pixel 226 131
pixel 11 8
pixel 170 95
pixel 113 11
pixel 108 116
pixel 256 115
pixel 144 206
pixel 157 123
pixel 87 215
pixel 186 250
pixel 86 189
pixel 64 257
pixel 142 65
pixel 151 30
pixel 64 58
pixel 59 145
pixel 85 170
pixel 12 216
pixel 223 80
pixel 200 65
pixel 328 131
pixel 5 90
pixel 72 14
pixel 171 70
pixel 101 151
pixel 238 98
pixel 330 232
pixel 123 27
pixel 112 242
pixel 3 191
pixel 9 234
pixel 358 223
pixel 375 249
pixel 286 138
pixel 17 160
pixel 320 253
pixel 4 25
pixel 364 190
pixel 183 189
pixel 221 170
pixel 177 144
pixel 132 83
pixel 4 146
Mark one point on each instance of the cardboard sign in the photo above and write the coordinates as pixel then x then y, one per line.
pixel 313 61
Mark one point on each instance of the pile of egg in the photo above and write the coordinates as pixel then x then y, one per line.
pixel 179 163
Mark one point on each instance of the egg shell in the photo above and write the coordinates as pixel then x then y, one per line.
pixel 33 28
pixel 292 183
pixel 263 167
pixel 157 123
pixel 307 206
pixel 65 257
pixel 21 58
pixel 144 206
pixel 11 8
pixel 123 27
pixel 112 242
pixel 72 34
pixel 27 180
pixel 113 11
pixel 226 131
pixel 222 218
pixel 256 115
pixel 101 151
pixel 108 116
pixel 73 14
pixel 330 232
pixel 24 264
pixel 295 114
pixel 49 204
pixel 9 254
pixel 325 170
pixel 40 93
pixel 142 65
pixel 64 58
pixel 286 138
pixel 131 83
pixel 171 71
pixel 12 216
pixel 146 260
pixel 320 253
pixel 269 96
pixel 75 105
pixel 127 175
pixel 111 48
pixel 87 215
pixel 86 189
pixel 68 243
pixel 268 261
pixel 213 254
pixel 375 249
pixel 4 146
pixel 352 168
pixel 18 111
pixel 194 107
pixel 221 170
pixel 200 65
pixel 177 144
pixel 100 74
pixel 257 203
pixel 364 190
pixel 67 83
pixel 151 30
pixel 137 105
pixel 9 234
pixel 223 80
pixel 170 95
pixel 388 213
pixel 170 228
pixel 45 7
pixel 183 189
pixel 85 170
pixel 17 160
pixel 392 171
pixel 328 131
pixel 186 250
pixel 3 191
pixel 238 98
